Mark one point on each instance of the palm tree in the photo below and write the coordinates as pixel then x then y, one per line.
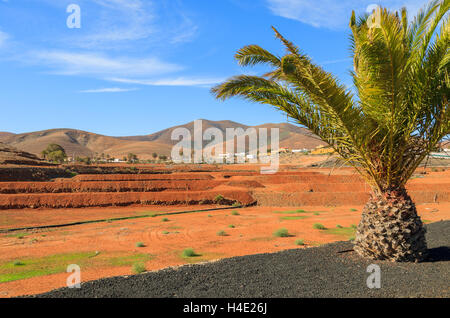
pixel 396 114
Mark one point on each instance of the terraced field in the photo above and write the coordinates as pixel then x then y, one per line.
pixel 110 223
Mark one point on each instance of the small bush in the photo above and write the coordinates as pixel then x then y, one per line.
pixel 165 232
pixel 165 220
pixel 299 242
pixel 139 268
pixel 353 226
pixel 281 233
pixel 353 210
pixel 316 213
pixel 221 233
pixel 140 244
pixel 235 213
pixel 231 226
pixel 209 215
pixel 237 204
pixel 219 198
pixel 189 252
pixel 319 226
pixel 18 263
pixel 339 226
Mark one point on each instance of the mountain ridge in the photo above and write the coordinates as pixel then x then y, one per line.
pixel 83 143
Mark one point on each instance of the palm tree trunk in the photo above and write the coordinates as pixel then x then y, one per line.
pixel 390 229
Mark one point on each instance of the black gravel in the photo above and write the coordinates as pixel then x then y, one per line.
pixel 326 271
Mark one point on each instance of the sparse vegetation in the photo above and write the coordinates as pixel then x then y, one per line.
pixel 140 244
pixel 281 233
pixel 231 226
pixel 222 233
pixel 165 220
pixel 131 158
pixel 139 268
pixel 299 242
pixel 347 232
pixel 189 252
pixel 294 217
pixel 54 153
pixel 235 213
pixel 319 226
pixel 218 199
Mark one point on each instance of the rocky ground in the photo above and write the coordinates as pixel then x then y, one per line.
pixel 331 270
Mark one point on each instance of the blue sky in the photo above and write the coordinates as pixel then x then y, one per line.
pixel 139 66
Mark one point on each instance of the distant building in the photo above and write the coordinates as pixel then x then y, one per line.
pixel 282 150
pixel 304 150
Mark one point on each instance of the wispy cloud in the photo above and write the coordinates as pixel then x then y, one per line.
pixel 3 38
pixel 119 24
pixel 333 14
pixel 109 90
pixel 68 63
pixel 180 81
pixel 335 61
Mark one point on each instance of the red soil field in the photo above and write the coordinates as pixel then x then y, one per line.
pixel 293 198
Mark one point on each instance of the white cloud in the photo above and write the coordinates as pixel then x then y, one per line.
pixel 108 90
pixel 118 21
pixel 68 63
pixel 333 14
pixel 3 38
pixel 119 24
pixel 180 81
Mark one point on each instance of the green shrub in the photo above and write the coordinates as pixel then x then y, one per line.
pixel 189 252
pixel 319 226
pixel 339 226
pixel 281 233
pixel 18 263
pixel 235 213
pixel 237 204
pixel 139 268
pixel 140 244
pixel 221 233
pixel 219 198
pixel 231 226
pixel 165 220
pixel 299 242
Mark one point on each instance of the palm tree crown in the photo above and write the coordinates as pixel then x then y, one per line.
pixel 398 110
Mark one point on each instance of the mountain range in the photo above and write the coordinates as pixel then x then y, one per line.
pixel 82 143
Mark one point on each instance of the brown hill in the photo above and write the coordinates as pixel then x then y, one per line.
pixel 11 155
pixel 82 143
